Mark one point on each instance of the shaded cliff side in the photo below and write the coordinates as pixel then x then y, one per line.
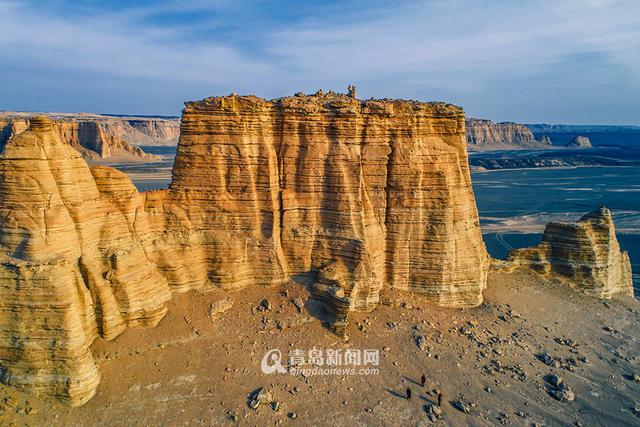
pixel 100 137
pixel 347 196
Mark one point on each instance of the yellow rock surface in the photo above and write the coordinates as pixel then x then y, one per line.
pixel 70 268
pixel 586 253
pixel 378 190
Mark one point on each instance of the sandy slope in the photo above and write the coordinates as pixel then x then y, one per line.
pixel 191 370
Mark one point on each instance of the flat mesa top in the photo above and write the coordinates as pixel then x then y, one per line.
pixel 329 101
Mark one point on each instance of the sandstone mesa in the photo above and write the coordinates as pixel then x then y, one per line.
pixel 343 195
pixel 484 134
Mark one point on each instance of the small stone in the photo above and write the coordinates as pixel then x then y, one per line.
pixel 275 406
pixel 563 393
pixel 462 406
pixel 299 304
pixel 421 342
pixel 292 415
pixel 262 396
pixel 547 359
pixel 220 306
pixel 264 305
pixel 433 409
pixel 554 380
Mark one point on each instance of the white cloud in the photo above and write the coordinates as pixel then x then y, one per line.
pixel 457 49
pixel 483 40
pixel 117 44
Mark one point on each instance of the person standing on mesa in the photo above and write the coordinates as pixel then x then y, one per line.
pixel 352 91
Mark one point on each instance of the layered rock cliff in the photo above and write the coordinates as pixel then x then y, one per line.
pixel 487 135
pixel 348 195
pixel 143 130
pixel 100 137
pixel 377 191
pixel 586 253
pixel 71 267
pixel 580 142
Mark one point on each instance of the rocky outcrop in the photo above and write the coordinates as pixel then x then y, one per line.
pixel 377 191
pixel 71 267
pixel 351 195
pixel 100 137
pixel 586 254
pixel 487 135
pixel 580 142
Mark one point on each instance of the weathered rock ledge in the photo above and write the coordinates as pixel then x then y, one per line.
pixel 586 253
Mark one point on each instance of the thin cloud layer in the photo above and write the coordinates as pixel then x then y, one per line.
pixel 569 61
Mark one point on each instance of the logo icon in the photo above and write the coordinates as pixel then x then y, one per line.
pixel 272 362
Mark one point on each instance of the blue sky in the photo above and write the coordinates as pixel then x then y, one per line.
pixel 560 61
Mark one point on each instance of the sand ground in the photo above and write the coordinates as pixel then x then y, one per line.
pixel 196 370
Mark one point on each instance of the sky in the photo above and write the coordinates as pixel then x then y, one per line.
pixel 531 61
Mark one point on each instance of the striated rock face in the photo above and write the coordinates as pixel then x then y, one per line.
pixel 487 135
pixel 586 253
pixel 580 142
pixel 378 192
pixel 100 137
pixel 348 196
pixel 71 268
pixel 143 131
